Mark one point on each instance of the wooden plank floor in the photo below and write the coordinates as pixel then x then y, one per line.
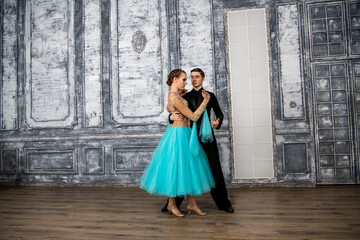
pixel 130 213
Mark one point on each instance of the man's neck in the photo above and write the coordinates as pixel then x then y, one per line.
pixel 198 88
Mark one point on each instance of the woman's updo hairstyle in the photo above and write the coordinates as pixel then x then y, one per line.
pixel 172 74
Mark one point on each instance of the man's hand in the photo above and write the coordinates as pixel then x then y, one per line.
pixel 183 92
pixel 176 116
pixel 215 123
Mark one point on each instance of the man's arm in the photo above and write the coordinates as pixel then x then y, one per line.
pixel 216 107
pixel 175 116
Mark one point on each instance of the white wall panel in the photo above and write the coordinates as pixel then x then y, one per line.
pixel 250 94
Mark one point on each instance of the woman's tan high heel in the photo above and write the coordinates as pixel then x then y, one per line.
pixel 176 214
pixel 198 212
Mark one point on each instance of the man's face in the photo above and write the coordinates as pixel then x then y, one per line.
pixel 196 79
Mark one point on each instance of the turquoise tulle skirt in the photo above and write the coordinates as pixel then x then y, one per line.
pixel 175 169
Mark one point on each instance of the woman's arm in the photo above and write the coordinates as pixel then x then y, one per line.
pixel 194 116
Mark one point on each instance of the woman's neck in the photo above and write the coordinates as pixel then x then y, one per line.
pixel 174 89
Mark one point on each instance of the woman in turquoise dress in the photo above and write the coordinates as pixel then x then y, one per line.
pixel 179 166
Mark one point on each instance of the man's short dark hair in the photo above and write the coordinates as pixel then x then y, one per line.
pixel 199 70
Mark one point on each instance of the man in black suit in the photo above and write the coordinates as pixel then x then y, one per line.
pixel 194 99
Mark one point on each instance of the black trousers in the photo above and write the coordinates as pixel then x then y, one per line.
pixel 219 193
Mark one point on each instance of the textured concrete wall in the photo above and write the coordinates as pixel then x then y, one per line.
pixel 83 90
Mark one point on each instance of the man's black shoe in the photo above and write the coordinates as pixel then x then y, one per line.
pixel 228 209
pixel 164 209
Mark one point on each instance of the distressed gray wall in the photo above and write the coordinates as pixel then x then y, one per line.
pixel 83 90
pixel 315 55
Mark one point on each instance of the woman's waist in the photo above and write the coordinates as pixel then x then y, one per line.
pixel 182 123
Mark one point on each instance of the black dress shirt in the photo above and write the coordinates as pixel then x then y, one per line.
pixel 195 98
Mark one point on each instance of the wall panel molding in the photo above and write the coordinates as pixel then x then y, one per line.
pixel 333 122
pixel 327 30
pixel 49 64
pixel 295 157
pixel 356 99
pixel 139 61
pixel 131 159
pixel 9 161
pixel 354 17
pixel 8 65
pixel 197 50
pixel 51 161
pixel 93 103
pixel 290 61
pixel 94 160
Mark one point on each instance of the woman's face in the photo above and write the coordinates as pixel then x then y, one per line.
pixel 181 81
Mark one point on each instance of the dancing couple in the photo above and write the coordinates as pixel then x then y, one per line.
pixel 186 163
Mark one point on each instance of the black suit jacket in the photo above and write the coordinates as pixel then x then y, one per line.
pixel 213 104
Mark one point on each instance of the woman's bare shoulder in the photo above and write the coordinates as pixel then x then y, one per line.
pixel 173 95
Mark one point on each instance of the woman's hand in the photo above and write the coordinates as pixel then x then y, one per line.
pixel 205 95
